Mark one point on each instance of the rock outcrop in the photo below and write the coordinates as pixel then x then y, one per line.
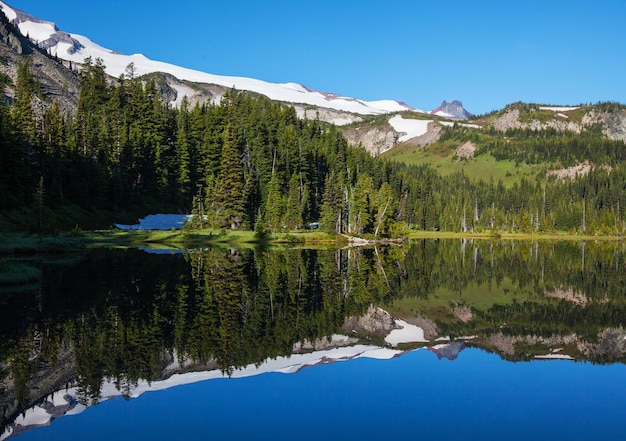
pixel 375 321
pixel 376 140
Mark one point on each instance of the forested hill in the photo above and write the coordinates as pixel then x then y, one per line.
pixel 249 162
pixel 246 159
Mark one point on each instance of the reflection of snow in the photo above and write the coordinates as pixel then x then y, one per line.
pixel 157 222
pixel 407 334
pixel 66 403
pixel 58 405
pixel 554 357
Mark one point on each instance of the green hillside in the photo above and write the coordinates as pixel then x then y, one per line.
pixel 524 141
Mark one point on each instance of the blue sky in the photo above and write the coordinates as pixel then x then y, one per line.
pixel 484 53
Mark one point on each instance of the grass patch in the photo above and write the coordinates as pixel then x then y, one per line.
pixel 438 305
pixel 29 244
pixel 12 273
pixel 442 158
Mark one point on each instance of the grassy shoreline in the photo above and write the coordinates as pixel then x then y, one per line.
pixel 75 241
pixel 549 236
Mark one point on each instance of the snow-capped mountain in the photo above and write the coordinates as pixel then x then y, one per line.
pixel 76 48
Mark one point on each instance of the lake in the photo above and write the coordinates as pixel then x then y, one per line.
pixel 441 338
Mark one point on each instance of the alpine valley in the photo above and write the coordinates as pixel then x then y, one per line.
pixel 436 272
pixel 89 132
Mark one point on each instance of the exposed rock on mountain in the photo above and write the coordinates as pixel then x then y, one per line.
pixel 454 110
pixel 376 320
pixel 610 117
pixel 433 133
pixel 172 90
pixel 375 140
pixel 512 118
pixel 57 81
pixel 466 151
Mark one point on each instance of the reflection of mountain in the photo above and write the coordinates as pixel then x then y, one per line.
pixel 450 351
pixel 66 402
pixel 56 406
pixel 124 314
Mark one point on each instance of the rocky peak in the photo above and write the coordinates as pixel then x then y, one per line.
pixel 453 110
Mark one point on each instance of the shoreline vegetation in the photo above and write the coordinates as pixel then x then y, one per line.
pixel 78 240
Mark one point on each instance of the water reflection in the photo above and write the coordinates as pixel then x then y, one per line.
pixel 116 322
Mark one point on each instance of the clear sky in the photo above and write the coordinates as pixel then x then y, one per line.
pixel 485 53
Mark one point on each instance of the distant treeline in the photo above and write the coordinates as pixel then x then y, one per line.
pixel 249 162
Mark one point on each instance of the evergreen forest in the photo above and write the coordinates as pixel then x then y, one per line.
pixel 250 163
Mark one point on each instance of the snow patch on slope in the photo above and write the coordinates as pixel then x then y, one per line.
pixel 411 128
pixel 157 222
pixel 10 13
pixel 407 333
pixel 443 114
pixel 450 124
pixel 558 109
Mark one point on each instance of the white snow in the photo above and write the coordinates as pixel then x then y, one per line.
pixel 390 105
pixel 443 114
pixel 10 13
pixel 406 334
pixel 411 128
pixel 554 357
pixel 116 65
pixel 37 416
pixel 36 31
pixel 559 109
pixel 157 222
pixel 450 124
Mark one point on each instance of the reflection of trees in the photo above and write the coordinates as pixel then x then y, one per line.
pixel 591 271
pixel 248 306
pixel 125 314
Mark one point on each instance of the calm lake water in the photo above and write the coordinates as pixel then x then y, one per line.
pixel 500 340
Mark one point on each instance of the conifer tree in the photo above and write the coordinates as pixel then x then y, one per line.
pixel 229 198
pixel 333 204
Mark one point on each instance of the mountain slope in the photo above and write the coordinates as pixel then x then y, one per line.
pixel 76 48
pixel 57 82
